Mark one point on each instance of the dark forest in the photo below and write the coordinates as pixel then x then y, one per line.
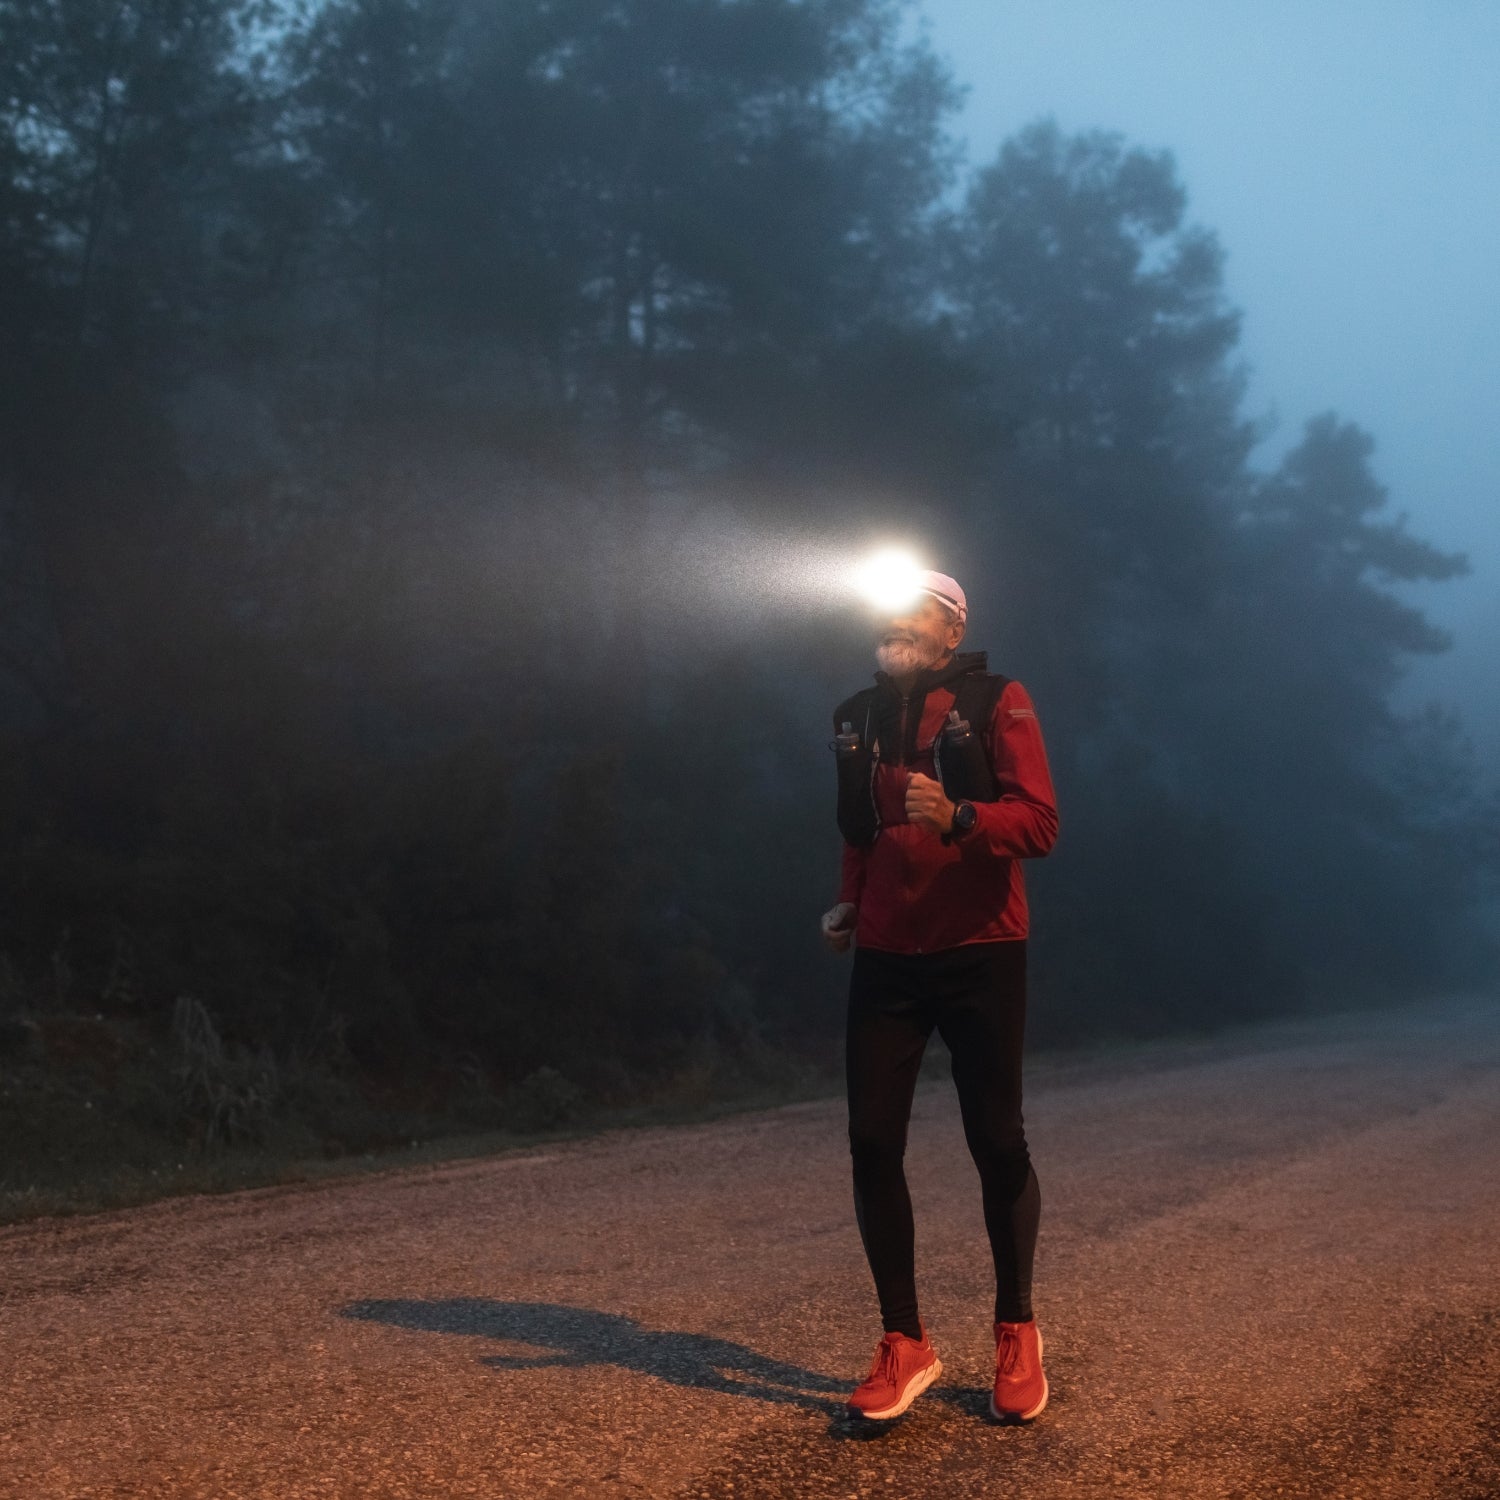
pixel 420 421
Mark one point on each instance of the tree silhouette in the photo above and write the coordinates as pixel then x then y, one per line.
pixel 364 366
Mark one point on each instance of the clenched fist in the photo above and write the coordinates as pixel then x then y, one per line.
pixel 838 925
pixel 926 804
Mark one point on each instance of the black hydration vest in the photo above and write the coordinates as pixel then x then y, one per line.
pixel 867 729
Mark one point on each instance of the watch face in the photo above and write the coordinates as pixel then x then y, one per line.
pixel 964 816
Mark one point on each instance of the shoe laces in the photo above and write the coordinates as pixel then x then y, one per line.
pixel 887 1360
pixel 1008 1355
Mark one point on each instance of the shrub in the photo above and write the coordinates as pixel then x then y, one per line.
pixel 228 1093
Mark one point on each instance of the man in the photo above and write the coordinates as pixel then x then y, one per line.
pixel 943 789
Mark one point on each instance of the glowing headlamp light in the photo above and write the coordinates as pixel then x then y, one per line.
pixel 891 580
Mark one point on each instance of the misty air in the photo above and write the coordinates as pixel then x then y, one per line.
pixel 623 623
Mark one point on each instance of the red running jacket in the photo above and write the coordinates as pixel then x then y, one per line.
pixel 917 894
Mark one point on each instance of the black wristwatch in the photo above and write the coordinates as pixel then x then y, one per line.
pixel 964 819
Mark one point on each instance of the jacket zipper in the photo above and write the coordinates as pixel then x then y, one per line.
pixel 904 882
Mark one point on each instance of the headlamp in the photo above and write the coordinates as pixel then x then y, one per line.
pixel 891 580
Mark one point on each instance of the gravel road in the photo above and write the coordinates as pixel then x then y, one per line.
pixel 1270 1265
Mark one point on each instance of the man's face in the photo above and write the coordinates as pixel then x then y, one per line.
pixel 917 638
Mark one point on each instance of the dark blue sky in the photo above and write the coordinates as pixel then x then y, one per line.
pixel 1347 153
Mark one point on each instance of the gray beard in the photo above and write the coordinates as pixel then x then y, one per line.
pixel 901 660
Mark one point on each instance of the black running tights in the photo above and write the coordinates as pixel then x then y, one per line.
pixel 976 998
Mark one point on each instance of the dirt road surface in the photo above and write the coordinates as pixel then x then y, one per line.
pixel 1270 1265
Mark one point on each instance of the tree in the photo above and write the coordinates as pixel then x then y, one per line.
pixel 1324 760
pixel 129 133
pixel 1097 317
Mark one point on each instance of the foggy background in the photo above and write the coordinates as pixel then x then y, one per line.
pixel 1348 157
pixel 434 437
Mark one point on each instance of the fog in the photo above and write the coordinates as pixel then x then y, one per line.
pixel 435 438
pixel 1348 156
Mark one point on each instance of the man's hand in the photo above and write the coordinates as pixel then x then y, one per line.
pixel 926 804
pixel 838 925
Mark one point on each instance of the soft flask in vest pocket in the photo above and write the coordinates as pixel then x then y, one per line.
pixel 962 765
pixel 855 759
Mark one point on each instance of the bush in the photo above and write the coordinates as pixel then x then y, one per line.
pixel 544 1100
pixel 228 1094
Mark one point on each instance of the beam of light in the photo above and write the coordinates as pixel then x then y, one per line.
pixel 890 580
pixel 733 575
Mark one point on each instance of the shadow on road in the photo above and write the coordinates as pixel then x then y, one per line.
pixel 578 1336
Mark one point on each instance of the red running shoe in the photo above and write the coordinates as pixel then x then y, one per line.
pixel 903 1368
pixel 1020 1385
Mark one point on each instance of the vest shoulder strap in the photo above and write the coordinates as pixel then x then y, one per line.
pixel 975 697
